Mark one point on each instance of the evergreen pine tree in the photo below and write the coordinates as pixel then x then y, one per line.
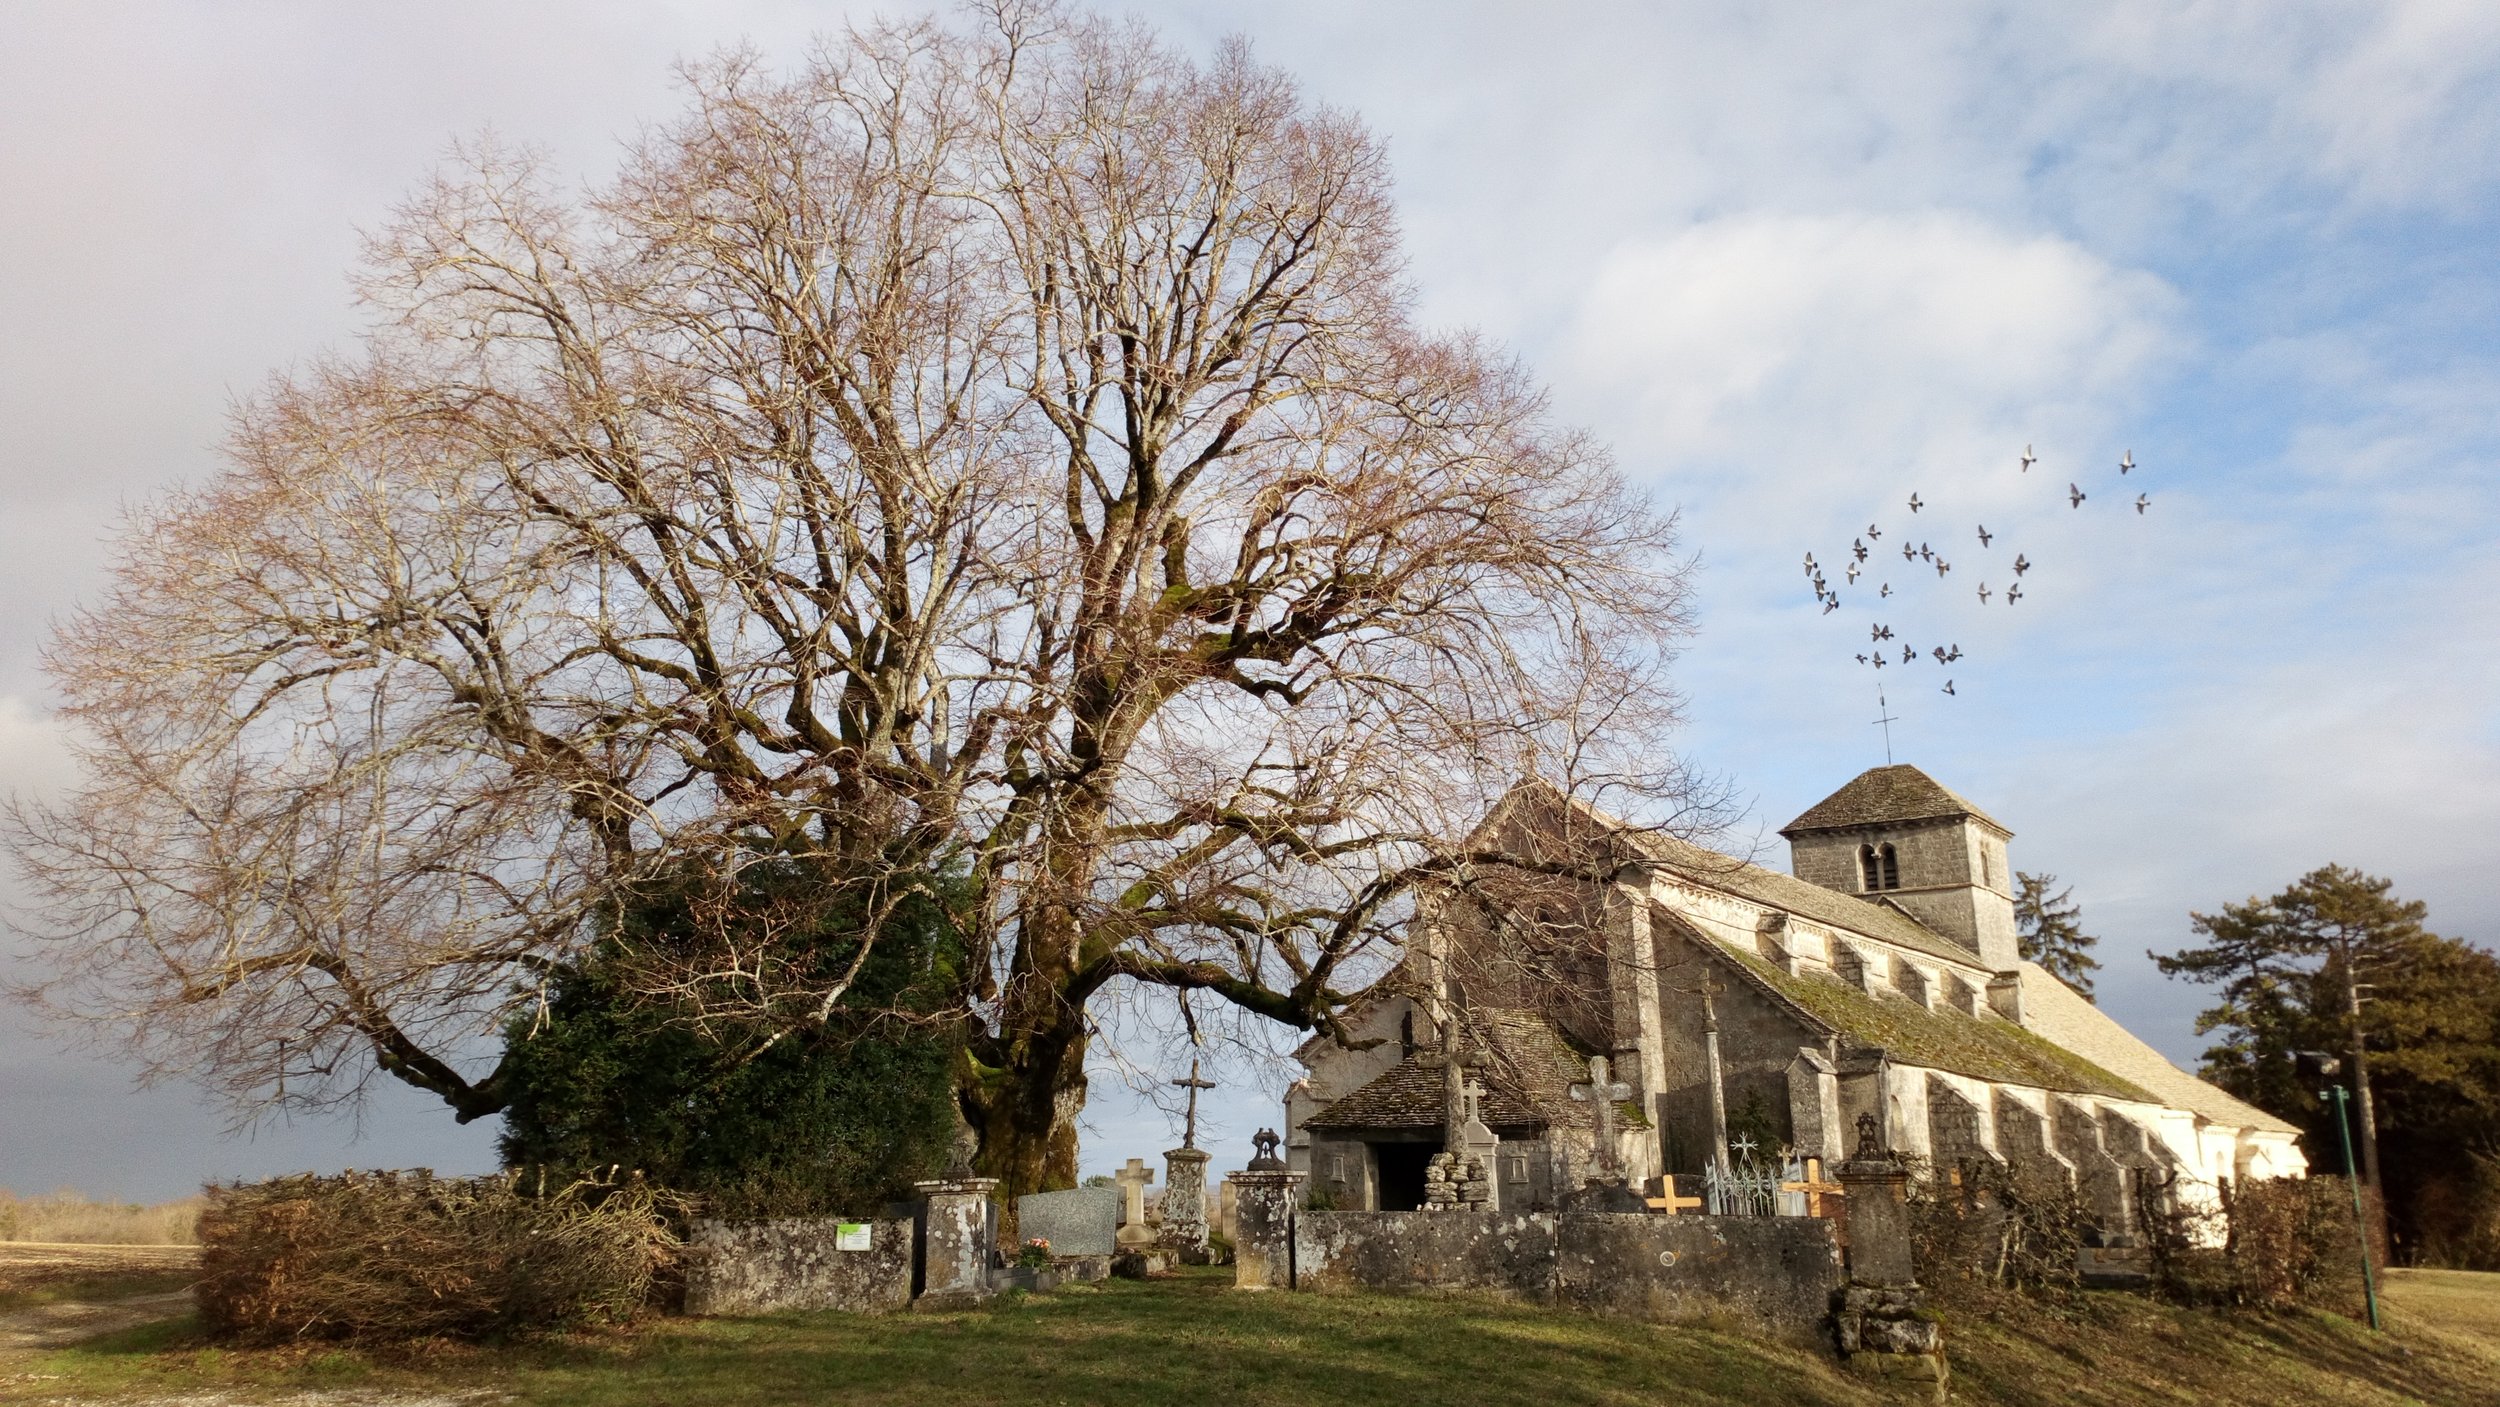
pixel 2049 927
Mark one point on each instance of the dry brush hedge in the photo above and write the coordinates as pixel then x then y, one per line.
pixel 411 1255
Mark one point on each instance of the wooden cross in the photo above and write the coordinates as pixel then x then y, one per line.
pixel 1671 1203
pixel 1603 1093
pixel 1815 1188
pixel 1189 1131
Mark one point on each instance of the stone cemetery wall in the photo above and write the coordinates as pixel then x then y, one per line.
pixel 1507 1253
pixel 758 1267
pixel 1777 1274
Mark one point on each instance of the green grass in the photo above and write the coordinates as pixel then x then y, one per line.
pixel 1192 1338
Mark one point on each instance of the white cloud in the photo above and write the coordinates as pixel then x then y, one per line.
pixel 1818 345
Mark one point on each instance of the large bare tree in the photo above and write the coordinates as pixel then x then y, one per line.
pixel 1000 450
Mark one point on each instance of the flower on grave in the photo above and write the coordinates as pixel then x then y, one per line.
pixel 1036 1253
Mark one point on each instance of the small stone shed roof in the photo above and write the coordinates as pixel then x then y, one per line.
pixel 2060 1014
pixel 1527 1075
pixel 1884 795
pixel 1983 1047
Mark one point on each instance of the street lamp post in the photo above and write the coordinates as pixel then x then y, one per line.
pixel 2326 1066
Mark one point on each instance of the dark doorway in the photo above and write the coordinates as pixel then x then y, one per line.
pixel 1402 1174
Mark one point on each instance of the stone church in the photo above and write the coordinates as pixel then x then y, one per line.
pixel 1880 977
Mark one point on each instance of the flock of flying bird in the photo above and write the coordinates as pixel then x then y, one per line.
pixel 1860 564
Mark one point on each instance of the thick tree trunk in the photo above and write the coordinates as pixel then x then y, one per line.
pixel 1025 1112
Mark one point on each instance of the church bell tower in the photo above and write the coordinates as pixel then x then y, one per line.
pixel 1896 835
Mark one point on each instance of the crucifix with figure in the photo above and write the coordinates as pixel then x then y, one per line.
pixel 1189 1130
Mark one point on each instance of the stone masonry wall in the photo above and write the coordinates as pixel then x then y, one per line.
pixel 1776 1274
pixel 762 1267
pixel 1500 1253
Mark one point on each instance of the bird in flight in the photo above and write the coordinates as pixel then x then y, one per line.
pixel 1953 654
pixel 1833 604
pixel 1908 655
pixel 2127 463
pixel 1914 503
pixel 2014 593
pixel 2029 459
pixel 1853 573
pixel 1983 593
pixel 2074 496
pixel 1948 687
pixel 2022 564
pixel 1926 553
pixel 1859 548
pixel 1879 632
pixel 1943 566
pixel 1938 652
pixel 1861 657
pixel 1983 534
pixel 1887 591
pixel 1908 552
pixel 1872 535
pixel 2142 502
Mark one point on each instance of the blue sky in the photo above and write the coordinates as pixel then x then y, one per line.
pixel 1792 262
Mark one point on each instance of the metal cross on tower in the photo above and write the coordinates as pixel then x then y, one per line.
pixel 1189 1131
pixel 1884 720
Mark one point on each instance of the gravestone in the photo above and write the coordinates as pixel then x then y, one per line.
pixel 1081 1221
pixel 1263 1211
pixel 1133 1176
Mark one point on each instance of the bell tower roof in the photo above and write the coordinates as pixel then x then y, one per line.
pixel 1883 796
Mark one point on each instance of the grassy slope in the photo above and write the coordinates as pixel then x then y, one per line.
pixel 1190 1338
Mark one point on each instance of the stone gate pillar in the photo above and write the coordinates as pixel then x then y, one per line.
pixel 958 1240
pixel 1266 1197
pixel 1880 1321
pixel 1185 1203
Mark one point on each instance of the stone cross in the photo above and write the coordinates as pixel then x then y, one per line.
pixel 1189 1131
pixel 1133 1179
pixel 1473 1093
pixel 1603 1093
pixel 1452 1066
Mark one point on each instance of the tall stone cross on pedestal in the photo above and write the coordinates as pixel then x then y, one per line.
pixel 1189 1130
pixel 1455 1110
pixel 1603 1093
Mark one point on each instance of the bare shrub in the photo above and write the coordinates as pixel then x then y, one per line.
pixel 411 1255
pixel 1984 1225
pixel 71 1217
pixel 2293 1243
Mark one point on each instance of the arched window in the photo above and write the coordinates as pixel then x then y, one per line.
pixel 1870 873
pixel 1891 865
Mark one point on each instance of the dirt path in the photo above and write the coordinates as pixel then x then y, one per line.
pixel 55 1295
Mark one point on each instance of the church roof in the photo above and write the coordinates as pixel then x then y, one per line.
pixel 1982 1047
pixel 2059 1013
pixel 1742 878
pixel 1527 1072
pixel 1884 795
pixel 1807 900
